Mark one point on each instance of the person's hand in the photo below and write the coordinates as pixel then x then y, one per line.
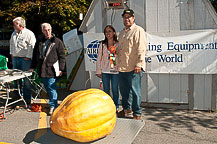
pixel 32 70
pixel 99 75
pixel 26 58
pixel 60 73
pixel 137 70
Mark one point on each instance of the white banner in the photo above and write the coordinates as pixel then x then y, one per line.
pixel 175 52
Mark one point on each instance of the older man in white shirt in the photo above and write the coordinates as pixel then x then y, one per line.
pixel 22 43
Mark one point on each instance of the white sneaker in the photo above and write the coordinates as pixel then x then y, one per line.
pixel 51 110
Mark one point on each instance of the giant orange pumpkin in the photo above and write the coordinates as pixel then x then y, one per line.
pixel 84 116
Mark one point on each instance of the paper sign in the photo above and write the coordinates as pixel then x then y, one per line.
pixel 56 68
pixel 72 41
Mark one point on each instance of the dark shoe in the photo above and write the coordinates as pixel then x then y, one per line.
pixel 125 113
pixel 137 117
pixel 129 113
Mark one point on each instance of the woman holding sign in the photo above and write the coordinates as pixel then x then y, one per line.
pixel 106 65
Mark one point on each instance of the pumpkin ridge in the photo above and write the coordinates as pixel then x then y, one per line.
pixel 84 116
pixel 89 109
pixel 62 120
pixel 80 93
pixel 86 129
pixel 106 118
pixel 92 95
pixel 91 135
pixel 71 96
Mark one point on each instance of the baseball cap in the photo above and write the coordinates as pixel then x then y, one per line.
pixel 128 11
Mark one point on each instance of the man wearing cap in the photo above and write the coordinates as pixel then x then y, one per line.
pixel 131 53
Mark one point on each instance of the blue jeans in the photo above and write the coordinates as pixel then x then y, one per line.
pixel 24 65
pixel 50 86
pixel 130 88
pixel 106 78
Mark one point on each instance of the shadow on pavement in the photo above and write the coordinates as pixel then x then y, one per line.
pixel 48 137
pixel 30 136
pixel 170 118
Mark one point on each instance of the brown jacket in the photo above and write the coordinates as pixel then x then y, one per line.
pixel 44 64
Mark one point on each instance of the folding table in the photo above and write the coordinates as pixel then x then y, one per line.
pixel 12 75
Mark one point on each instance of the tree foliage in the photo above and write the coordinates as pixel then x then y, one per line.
pixel 214 3
pixel 63 15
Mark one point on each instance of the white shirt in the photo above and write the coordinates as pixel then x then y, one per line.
pixel 22 44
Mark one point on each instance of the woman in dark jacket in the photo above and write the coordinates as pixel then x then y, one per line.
pixel 49 59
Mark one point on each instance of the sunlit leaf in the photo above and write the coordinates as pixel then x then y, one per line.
pixel 63 15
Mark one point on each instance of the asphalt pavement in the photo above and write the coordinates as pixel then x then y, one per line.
pixel 162 126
